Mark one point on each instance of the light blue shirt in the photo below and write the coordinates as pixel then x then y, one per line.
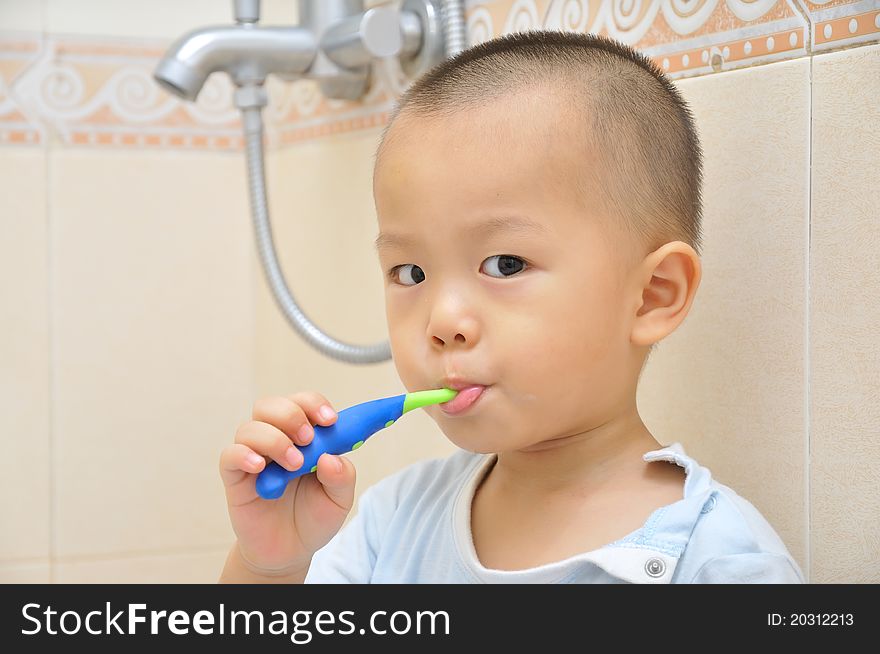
pixel 414 527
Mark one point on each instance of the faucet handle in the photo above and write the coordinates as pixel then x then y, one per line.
pixel 353 41
pixel 381 32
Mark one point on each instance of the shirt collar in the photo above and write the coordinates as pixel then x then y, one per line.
pixel 648 555
pixel 651 553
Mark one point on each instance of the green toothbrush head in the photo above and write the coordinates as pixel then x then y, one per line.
pixel 426 398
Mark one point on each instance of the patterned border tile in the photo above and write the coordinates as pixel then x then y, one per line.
pixel 17 126
pixel 839 23
pixel 90 91
pixel 685 38
pixel 98 92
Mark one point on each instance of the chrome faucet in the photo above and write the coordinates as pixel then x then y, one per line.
pixel 334 45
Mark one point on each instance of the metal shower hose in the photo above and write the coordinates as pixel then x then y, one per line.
pixel 453 22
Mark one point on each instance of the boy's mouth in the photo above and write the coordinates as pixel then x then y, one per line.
pixel 465 399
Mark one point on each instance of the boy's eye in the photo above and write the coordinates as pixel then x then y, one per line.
pixel 408 270
pixel 506 264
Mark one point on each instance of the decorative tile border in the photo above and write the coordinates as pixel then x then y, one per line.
pixel 17 126
pixel 97 92
pixel 838 23
pixel 685 38
pixel 100 92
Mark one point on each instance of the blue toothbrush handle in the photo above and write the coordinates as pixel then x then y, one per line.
pixel 353 426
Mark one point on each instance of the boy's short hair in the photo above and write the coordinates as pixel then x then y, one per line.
pixel 649 173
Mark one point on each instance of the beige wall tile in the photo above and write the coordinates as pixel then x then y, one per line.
pixel 164 333
pixel 844 315
pixel 154 19
pixel 18 16
pixel 24 353
pixel 324 223
pixel 32 572
pixel 729 383
pixel 199 567
pixel 153 327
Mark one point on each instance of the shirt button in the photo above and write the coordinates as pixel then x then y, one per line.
pixel 655 567
pixel 709 505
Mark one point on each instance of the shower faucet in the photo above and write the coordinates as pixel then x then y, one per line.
pixel 334 44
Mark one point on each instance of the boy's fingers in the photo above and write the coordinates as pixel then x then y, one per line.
pixel 313 403
pixel 270 441
pixel 285 415
pixel 294 415
pixel 236 461
pixel 337 475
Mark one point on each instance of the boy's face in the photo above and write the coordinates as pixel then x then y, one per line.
pixel 537 314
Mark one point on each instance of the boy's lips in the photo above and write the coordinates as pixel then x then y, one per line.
pixel 466 398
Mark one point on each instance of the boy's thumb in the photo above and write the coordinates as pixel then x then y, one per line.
pixel 337 475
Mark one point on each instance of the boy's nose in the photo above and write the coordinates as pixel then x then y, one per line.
pixel 458 338
pixel 452 321
pixel 453 331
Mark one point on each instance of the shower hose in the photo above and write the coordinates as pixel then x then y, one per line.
pixel 452 16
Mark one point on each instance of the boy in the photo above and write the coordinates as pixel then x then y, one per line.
pixel 538 199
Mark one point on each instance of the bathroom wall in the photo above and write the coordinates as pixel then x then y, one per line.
pixel 128 312
pixel 139 330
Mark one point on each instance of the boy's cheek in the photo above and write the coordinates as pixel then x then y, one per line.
pixel 412 368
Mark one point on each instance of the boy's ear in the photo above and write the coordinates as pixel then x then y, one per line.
pixel 667 280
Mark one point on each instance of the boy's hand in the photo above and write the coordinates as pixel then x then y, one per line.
pixel 285 533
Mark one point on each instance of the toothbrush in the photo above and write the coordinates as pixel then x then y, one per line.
pixel 353 426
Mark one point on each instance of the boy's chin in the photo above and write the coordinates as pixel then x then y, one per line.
pixel 475 444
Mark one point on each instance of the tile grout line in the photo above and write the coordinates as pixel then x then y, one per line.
pixel 50 347
pixel 808 46
pixel 807 344
pixel 50 332
pixel 254 280
pixel 123 555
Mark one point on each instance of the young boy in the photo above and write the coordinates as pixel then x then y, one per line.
pixel 538 199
